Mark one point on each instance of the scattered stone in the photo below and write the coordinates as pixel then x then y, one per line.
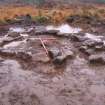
pixel 13 34
pixel 78 38
pixel 31 32
pixel 97 58
pixel 54 52
pixel 7 52
pixel 62 58
pixel 63 34
pixel 86 50
pixel 41 32
pixel 53 32
pixel 92 43
pixel 83 48
pixel 16 54
pixel 59 60
pixel 68 53
pixel 89 51
pixel 23 55
pixel 100 48
pixel 7 40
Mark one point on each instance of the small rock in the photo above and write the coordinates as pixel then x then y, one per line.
pixel 97 58
pixel 83 48
pixel 100 48
pixel 63 34
pixel 62 58
pixel 16 54
pixel 24 56
pixel 78 38
pixel 59 60
pixel 13 34
pixel 53 32
pixel 7 53
pixel 7 40
pixel 68 53
pixel 92 43
pixel 89 51
pixel 54 52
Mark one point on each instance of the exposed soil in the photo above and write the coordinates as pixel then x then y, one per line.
pixel 63 71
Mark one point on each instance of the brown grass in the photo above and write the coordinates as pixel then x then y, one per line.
pixel 56 14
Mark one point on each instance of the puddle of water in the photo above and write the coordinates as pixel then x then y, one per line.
pixel 64 28
pixel 93 37
pixel 17 29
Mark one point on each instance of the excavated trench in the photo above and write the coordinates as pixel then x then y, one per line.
pixel 52 65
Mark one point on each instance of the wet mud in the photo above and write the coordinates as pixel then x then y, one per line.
pixel 49 65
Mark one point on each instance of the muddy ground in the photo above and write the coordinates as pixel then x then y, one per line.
pixel 51 65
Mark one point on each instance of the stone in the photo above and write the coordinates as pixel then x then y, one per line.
pixel 78 38
pixel 97 58
pixel 23 55
pixel 54 52
pixel 7 52
pixel 16 54
pixel 86 50
pixel 53 32
pixel 83 48
pixel 7 40
pixel 13 34
pixel 63 34
pixel 41 32
pixel 59 60
pixel 62 58
pixel 68 53
pixel 92 43
pixel 89 51
pixel 100 48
